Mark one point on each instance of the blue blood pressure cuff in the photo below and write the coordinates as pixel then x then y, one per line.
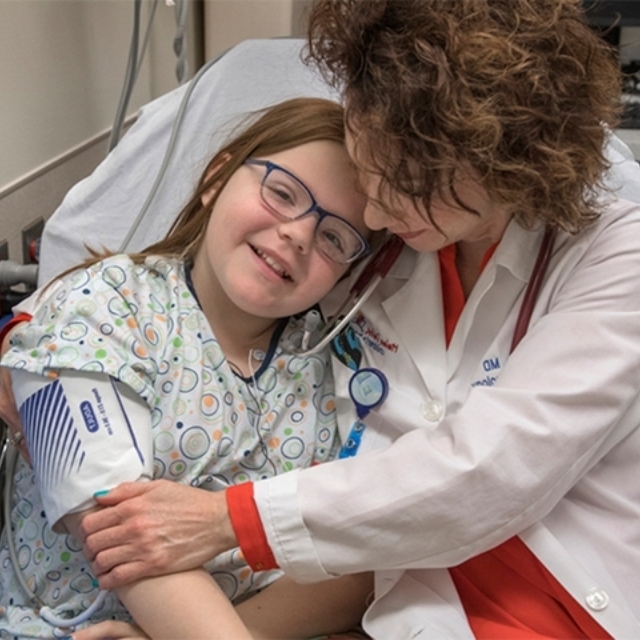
pixel 85 432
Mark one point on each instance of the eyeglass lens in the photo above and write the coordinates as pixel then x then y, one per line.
pixel 288 197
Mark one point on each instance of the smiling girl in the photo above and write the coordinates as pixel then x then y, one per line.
pixel 178 361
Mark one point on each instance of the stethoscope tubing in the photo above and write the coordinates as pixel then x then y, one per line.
pixel 372 274
pixel 10 455
pixel 533 287
pixel 351 446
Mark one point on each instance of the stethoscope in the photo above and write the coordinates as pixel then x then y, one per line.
pixel 369 387
pixel 316 337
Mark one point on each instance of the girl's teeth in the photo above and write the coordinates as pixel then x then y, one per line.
pixel 273 264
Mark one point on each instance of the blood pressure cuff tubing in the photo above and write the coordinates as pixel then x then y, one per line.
pixel 85 432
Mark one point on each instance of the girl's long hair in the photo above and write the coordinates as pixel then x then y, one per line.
pixel 278 128
pixel 286 125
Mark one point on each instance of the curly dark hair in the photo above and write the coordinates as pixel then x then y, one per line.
pixel 519 93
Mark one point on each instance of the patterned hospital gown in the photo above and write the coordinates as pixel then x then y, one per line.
pixel 211 428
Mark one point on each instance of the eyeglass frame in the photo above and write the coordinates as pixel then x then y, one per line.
pixel 314 208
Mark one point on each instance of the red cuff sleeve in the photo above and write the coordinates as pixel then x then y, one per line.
pixel 16 320
pixel 248 528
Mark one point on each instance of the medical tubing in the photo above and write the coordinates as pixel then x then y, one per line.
pixel 344 321
pixel 12 273
pixel 380 263
pixel 374 271
pixel 48 616
pixel 179 41
pixel 311 322
pixel 45 612
pixel 147 36
pixel 168 154
pixel 130 77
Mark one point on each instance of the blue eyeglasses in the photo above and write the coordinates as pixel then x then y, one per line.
pixel 289 199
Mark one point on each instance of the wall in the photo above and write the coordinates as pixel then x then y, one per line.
pixel 62 67
pixel 227 22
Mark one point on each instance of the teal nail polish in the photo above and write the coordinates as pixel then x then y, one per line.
pixel 99 494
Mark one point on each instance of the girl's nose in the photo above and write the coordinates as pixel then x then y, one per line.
pixel 300 232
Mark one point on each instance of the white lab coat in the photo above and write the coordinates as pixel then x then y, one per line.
pixel 543 443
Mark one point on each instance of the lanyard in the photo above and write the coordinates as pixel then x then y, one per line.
pixel 368 389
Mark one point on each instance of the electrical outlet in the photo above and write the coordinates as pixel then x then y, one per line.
pixel 30 237
pixel 4 250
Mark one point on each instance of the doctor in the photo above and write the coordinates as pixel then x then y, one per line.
pixel 495 492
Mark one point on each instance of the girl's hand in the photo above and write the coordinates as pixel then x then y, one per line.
pixel 110 630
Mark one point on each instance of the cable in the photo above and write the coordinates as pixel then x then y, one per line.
pixel 130 78
pixel 147 37
pixel 11 459
pixel 65 623
pixel 253 383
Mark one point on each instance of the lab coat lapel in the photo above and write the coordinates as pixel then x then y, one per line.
pixel 494 302
pixel 415 312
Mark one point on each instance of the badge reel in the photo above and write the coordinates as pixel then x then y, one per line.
pixel 368 389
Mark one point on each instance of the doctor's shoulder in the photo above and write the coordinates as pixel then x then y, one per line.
pixel 616 230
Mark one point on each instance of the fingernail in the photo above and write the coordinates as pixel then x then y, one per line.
pixel 99 494
pixel 95 584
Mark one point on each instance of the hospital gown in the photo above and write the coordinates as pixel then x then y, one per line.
pixel 211 428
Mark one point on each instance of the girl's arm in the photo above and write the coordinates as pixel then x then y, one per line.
pixel 183 605
pixel 283 611
pixel 187 605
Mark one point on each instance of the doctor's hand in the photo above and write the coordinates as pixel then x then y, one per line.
pixel 154 528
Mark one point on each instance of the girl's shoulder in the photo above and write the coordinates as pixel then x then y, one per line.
pixel 127 276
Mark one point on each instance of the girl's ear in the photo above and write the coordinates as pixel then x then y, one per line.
pixel 213 169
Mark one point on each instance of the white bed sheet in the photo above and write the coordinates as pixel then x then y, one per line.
pixel 100 210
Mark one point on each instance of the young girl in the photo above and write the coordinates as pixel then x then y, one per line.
pixel 179 363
